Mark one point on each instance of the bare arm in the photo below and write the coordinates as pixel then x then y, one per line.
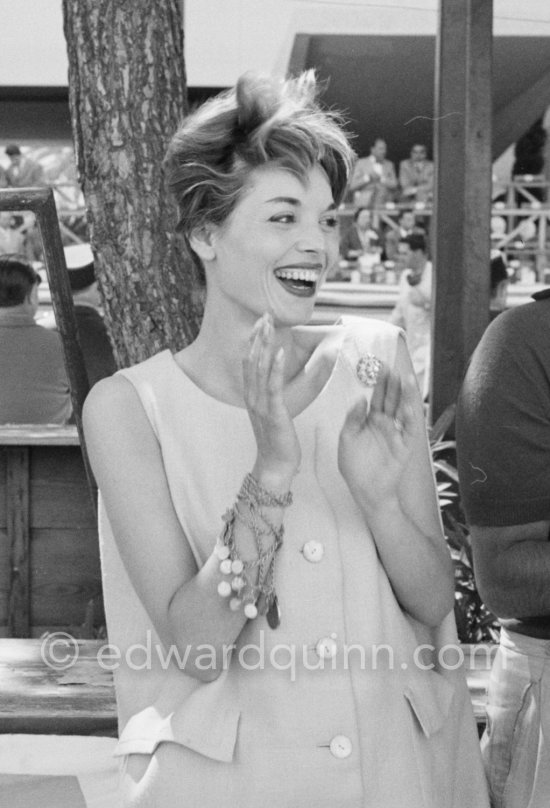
pixel 182 600
pixel 512 568
pixel 390 477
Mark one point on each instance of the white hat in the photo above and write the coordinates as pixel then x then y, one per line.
pixel 80 263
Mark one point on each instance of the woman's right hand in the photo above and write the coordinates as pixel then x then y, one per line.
pixel 279 453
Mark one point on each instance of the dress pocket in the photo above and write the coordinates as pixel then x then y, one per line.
pixel 205 720
pixel 430 696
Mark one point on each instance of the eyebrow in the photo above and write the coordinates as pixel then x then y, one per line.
pixel 291 200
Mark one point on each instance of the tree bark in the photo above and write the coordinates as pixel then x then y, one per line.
pixel 127 94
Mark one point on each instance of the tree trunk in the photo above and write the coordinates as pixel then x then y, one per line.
pixel 127 95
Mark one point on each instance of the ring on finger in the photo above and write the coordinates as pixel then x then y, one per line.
pixel 398 424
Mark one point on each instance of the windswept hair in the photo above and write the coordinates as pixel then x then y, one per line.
pixel 261 120
pixel 17 278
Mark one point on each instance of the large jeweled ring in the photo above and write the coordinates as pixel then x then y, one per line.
pixel 368 369
pixel 398 424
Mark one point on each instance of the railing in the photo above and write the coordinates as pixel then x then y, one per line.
pixel 520 226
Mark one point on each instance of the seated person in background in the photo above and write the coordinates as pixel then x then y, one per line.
pixel 416 176
pixel 406 225
pixel 34 388
pixel 12 240
pixel 414 302
pixel 499 284
pixel 374 182
pixel 22 171
pixel 94 340
pixel 361 237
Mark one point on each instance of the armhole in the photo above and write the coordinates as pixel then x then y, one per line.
pixel 147 401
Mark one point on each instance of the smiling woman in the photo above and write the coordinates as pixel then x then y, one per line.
pixel 268 514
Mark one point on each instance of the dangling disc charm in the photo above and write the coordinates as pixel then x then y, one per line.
pixel 273 615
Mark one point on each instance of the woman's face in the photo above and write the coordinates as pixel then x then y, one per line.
pixel 275 249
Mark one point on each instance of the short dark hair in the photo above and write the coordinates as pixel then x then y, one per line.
pixel 17 278
pixel 12 149
pixel 416 241
pixel 262 120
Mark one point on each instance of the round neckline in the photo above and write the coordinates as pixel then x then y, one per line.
pixel 237 407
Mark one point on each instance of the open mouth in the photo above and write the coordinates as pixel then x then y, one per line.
pixel 300 282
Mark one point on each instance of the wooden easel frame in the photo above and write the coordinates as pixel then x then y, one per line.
pixel 41 202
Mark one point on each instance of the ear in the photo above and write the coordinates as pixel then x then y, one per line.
pixel 32 296
pixel 201 240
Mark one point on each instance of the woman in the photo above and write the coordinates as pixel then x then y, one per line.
pixel 262 530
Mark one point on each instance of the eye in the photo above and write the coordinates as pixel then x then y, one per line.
pixel 330 221
pixel 283 218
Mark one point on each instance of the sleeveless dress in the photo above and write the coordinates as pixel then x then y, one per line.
pixel 336 708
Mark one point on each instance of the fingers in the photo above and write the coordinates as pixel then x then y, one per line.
pixel 387 393
pixel 392 403
pixel 379 392
pixel 393 395
pixel 404 414
pixel 263 369
pixel 356 416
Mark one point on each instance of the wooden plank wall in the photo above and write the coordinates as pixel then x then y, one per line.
pixel 48 585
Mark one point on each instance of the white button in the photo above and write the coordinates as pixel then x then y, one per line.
pixel 326 648
pixel 340 746
pixel 313 551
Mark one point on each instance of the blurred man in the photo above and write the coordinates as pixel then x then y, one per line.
pixel 416 176
pixel 373 182
pixel 414 302
pixel 406 225
pixel 34 388
pixel 361 237
pixel 22 171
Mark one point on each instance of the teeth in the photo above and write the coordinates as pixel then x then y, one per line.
pixel 308 275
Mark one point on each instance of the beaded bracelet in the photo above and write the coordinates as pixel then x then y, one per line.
pixel 252 490
pixel 259 598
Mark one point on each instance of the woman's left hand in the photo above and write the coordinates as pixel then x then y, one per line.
pixel 375 444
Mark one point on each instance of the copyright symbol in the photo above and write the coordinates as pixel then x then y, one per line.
pixel 59 650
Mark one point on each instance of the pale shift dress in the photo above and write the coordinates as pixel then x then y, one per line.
pixel 349 727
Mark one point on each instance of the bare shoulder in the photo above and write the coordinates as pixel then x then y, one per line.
pixel 109 392
pixel 113 418
pixel 108 400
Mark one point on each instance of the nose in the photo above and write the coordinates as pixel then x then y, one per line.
pixel 312 239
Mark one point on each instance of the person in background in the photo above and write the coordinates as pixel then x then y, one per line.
pixel 503 444
pixel 34 387
pixel 94 340
pixel 361 237
pixel 499 284
pixel 412 311
pixel 406 225
pixel 269 486
pixel 374 182
pixel 416 176
pixel 12 239
pixel 22 171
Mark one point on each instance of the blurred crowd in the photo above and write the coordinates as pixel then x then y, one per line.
pixel 385 238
